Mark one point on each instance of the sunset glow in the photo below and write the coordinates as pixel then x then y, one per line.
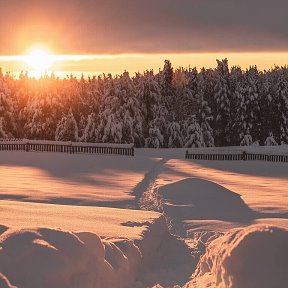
pixel 39 60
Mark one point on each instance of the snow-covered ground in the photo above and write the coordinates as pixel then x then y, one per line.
pixel 71 179
pixel 82 221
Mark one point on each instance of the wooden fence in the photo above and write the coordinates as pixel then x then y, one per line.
pixel 11 139
pixel 66 148
pixel 235 157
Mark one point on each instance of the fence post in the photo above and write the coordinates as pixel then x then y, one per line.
pixel 27 147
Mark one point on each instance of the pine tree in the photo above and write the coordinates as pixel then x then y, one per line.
pixel 194 138
pixel 179 84
pixel 189 104
pixel 267 106
pixel 7 123
pixel 113 129
pixel 88 132
pixel 247 140
pixel 131 113
pixel 109 128
pixel 282 109
pixel 149 96
pixel 155 139
pixel 167 78
pixel 204 114
pixel 239 126
pixel 270 140
pixel 42 118
pixel 252 112
pixel 175 135
pixel 67 129
pixel 222 109
pixel 167 90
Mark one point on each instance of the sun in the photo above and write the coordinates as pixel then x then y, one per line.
pixel 39 60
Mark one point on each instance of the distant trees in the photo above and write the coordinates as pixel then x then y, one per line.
pixel 179 107
pixel 281 108
pixel 7 123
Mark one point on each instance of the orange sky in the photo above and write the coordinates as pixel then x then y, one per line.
pixel 116 64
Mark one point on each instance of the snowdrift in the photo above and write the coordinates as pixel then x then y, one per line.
pixel 196 198
pixel 47 257
pixel 55 258
pixel 253 257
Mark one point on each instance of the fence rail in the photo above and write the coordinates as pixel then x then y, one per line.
pixel 11 139
pixel 235 157
pixel 66 148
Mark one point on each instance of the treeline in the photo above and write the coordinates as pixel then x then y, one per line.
pixel 173 108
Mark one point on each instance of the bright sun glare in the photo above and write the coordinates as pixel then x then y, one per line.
pixel 39 60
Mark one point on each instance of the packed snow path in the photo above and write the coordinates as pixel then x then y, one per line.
pixel 146 190
pixel 150 200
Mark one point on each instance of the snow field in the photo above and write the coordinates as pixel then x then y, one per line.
pixel 71 179
pixel 74 245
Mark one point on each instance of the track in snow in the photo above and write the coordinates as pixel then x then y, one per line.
pixel 149 199
pixel 146 190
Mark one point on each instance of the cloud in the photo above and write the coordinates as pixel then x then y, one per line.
pixel 134 26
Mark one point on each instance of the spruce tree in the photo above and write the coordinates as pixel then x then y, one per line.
pixel 194 138
pixel 222 117
pixel 282 109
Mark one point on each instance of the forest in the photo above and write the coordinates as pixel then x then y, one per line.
pixel 172 108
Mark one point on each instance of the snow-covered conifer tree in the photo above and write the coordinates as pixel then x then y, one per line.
pixel 149 96
pixel 67 129
pixel 252 112
pixel 175 135
pixel 204 114
pixel 207 132
pixel 167 89
pixel 282 109
pixel 267 106
pixel 8 126
pixel 222 101
pixel 194 136
pixel 247 139
pixel 270 140
pixel 88 131
pixel 183 97
pixel 155 139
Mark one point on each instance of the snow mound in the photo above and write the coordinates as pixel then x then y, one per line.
pixel 196 198
pixel 46 257
pixel 63 259
pixel 253 257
